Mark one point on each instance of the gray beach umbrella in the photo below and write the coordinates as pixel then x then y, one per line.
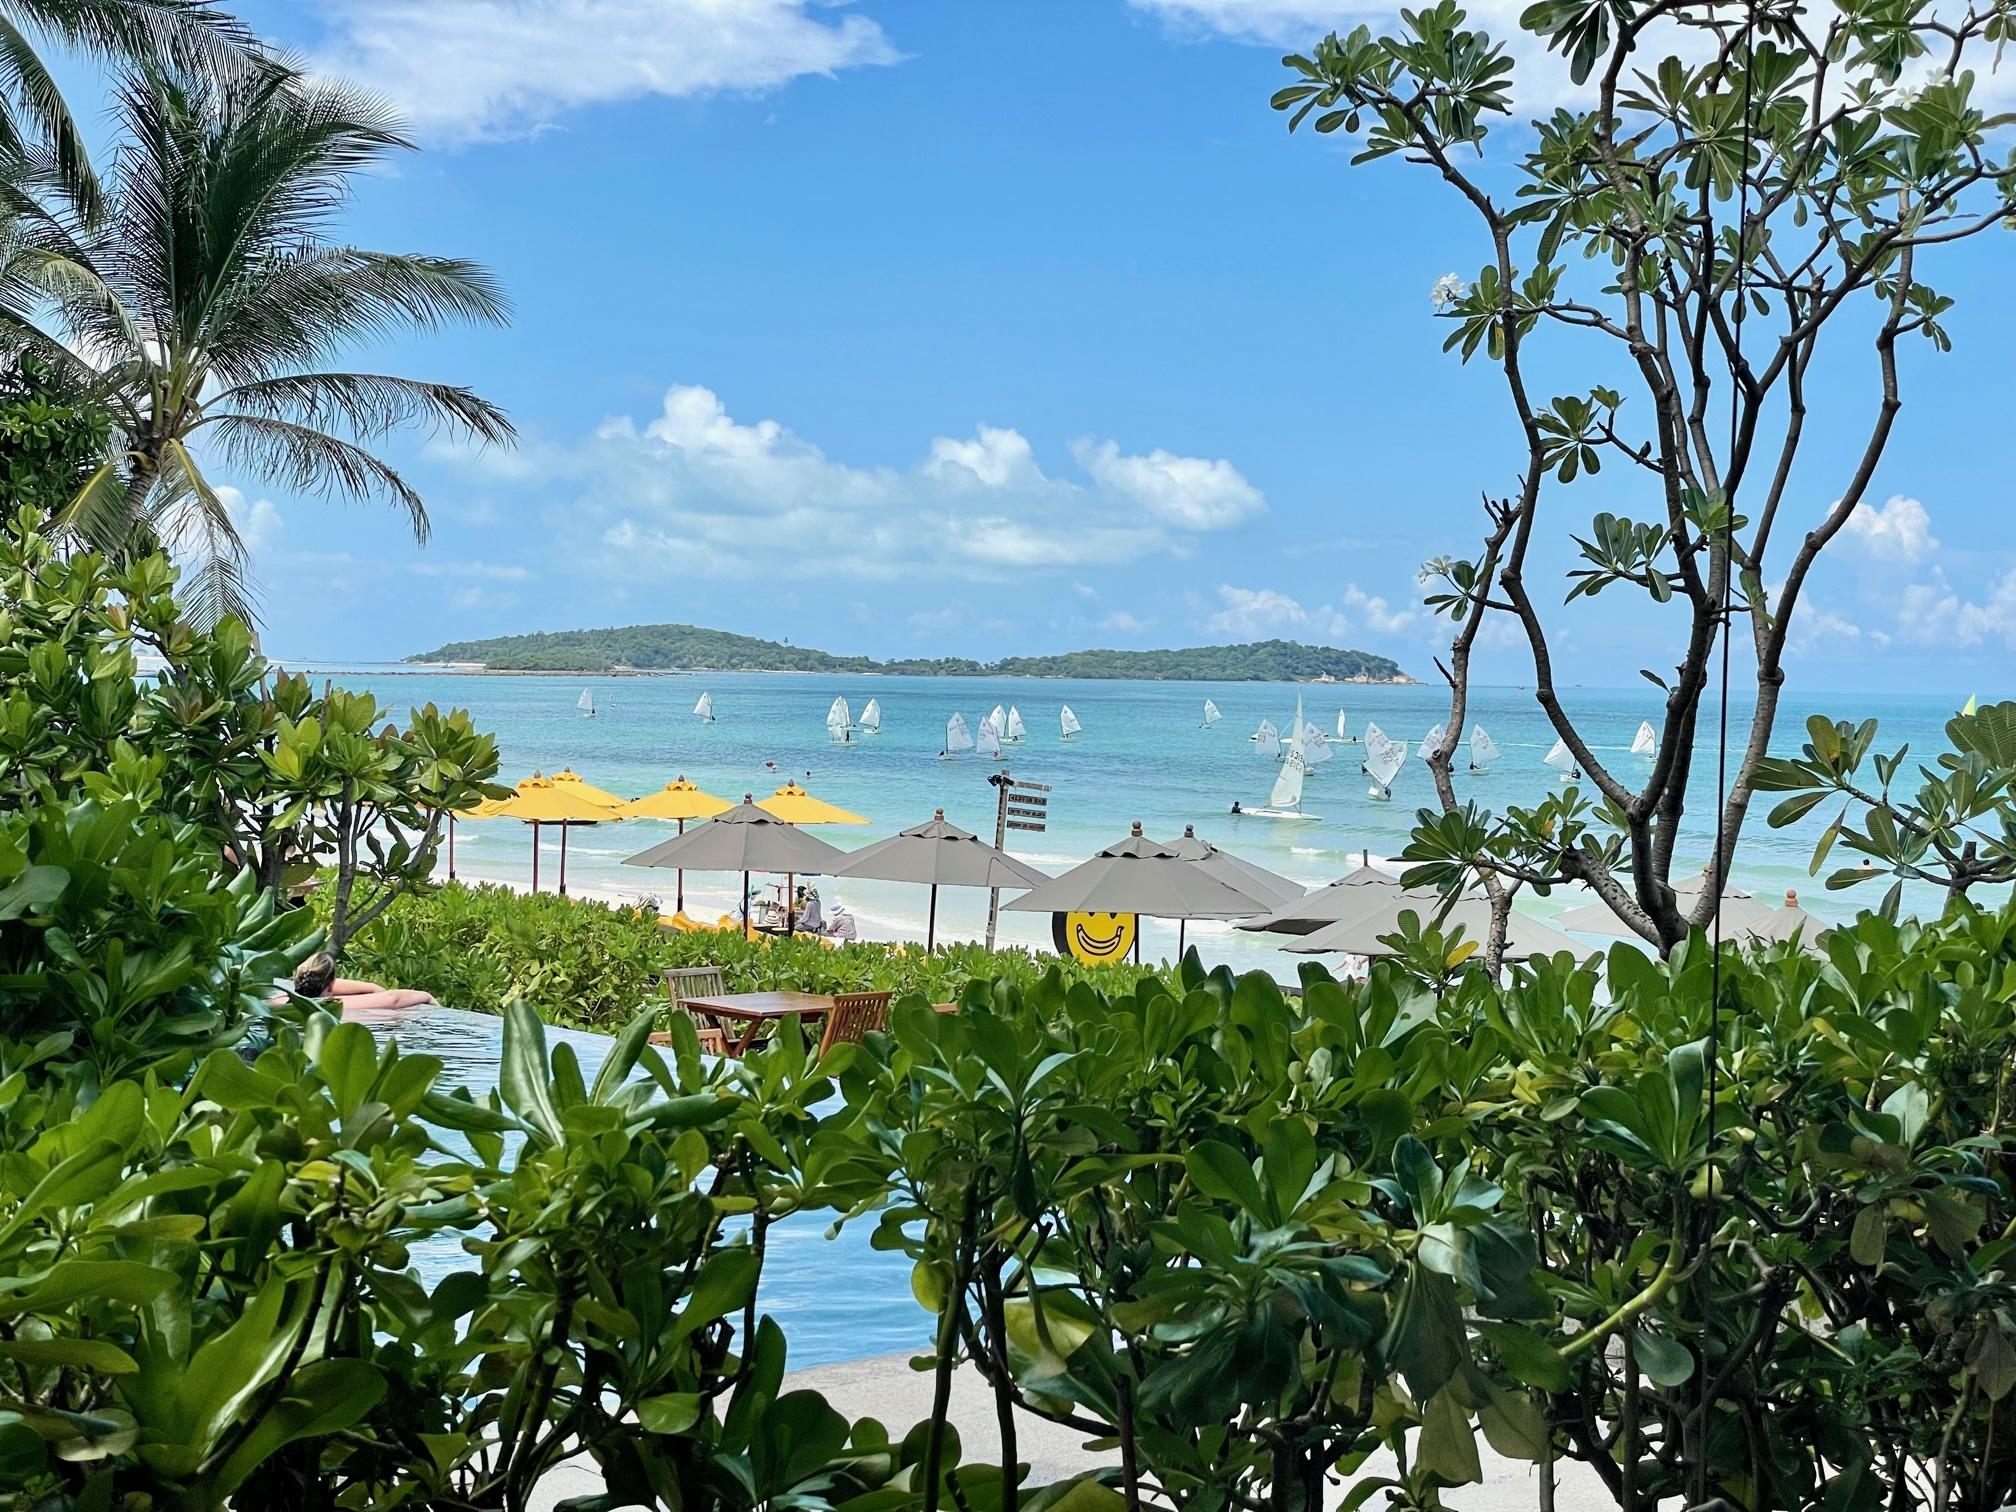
pixel 744 839
pixel 1358 892
pixel 1140 876
pixel 1524 937
pixel 1738 908
pixel 1255 881
pixel 936 854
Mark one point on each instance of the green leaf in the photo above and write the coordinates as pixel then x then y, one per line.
pixel 72 1280
pixel 1866 1239
pixel 1528 1356
pixel 1448 1445
pixel 348 1064
pixel 523 1077
pixel 674 1412
pixel 79 1354
pixel 1222 1172
pixel 1665 1361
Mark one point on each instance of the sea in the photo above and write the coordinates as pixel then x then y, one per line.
pixel 1143 756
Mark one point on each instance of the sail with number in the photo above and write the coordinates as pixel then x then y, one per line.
pixel 1483 749
pixel 839 720
pixel 1307 742
pixel 1267 739
pixel 1287 795
pixel 1562 759
pixel 1384 758
pixel 1067 723
pixel 587 703
pixel 957 736
pixel 871 718
pixel 1646 741
pixel 988 742
pixel 1211 714
pixel 1431 740
pixel 705 708
pixel 1013 731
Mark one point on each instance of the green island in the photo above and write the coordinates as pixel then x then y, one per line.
pixel 690 648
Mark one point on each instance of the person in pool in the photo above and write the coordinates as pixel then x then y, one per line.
pixel 316 978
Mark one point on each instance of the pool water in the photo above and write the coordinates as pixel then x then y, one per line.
pixel 836 1299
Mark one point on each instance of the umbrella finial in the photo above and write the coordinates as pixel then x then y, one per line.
pixel 1791 897
pixel 748 797
pixel 1137 829
pixel 938 814
pixel 1189 832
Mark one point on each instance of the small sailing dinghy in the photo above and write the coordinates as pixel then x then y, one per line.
pixel 1211 714
pixel 839 722
pixel 1384 758
pixel 586 703
pixel 957 738
pixel 871 718
pixel 705 708
pixel 1343 736
pixel 1646 741
pixel 999 719
pixel 1562 760
pixel 1067 723
pixel 1013 731
pixel 1431 740
pixel 1266 740
pixel 987 743
pixel 1285 802
pixel 1483 751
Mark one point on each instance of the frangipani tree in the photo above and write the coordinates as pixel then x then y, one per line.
pixel 1738 194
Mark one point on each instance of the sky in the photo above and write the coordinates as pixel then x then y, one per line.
pixel 909 328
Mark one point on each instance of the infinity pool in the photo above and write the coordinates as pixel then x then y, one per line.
pixel 836 1299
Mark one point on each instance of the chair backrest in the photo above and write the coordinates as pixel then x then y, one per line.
pixel 853 1014
pixel 694 981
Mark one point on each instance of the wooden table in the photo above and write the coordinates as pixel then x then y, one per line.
pixel 756 1010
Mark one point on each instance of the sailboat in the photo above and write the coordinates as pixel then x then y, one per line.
pixel 1067 723
pixel 1646 741
pixel 1431 740
pixel 1211 714
pixel 1483 750
pixel 586 704
pixel 871 718
pixel 1013 731
pixel 1342 736
pixel 1307 741
pixel 1562 760
pixel 957 738
pixel 705 708
pixel 1383 760
pixel 988 743
pixel 1266 740
pixel 1285 802
pixel 1973 705
pixel 998 718
pixel 839 722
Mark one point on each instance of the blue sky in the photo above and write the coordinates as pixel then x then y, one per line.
pixel 921 328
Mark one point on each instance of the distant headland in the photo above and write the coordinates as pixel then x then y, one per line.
pixel 689 648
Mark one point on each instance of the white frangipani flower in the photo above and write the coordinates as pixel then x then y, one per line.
pixel 1448 289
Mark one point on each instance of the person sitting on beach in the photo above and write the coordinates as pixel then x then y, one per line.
pixel 840 925
pixel 316 978
pixel 811 919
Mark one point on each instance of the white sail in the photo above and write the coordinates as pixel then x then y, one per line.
pixel 1013 731
pixel 988 742
pixel 998 718
pixel 1560 758
pixel 1431 740
pixel 839 716
pixel 1267 739
pixel 1383 760
pixel 587 702
pixel 1287 794
pixel 957 737
pixel 1211 714
pixel 871 718
pixel 1312 748
pixel 705 708
pixel 1067 723
pixel 1483 749
pixel 1646 741
pixel 1342 734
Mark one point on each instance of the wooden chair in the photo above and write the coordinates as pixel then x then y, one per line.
pixel 682 982
pixel 853 1014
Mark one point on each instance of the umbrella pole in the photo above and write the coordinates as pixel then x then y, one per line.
pixel 1181 926
pixel 1137 939
pixel 535 855
pixel 790 904
pixel 682 875
pixel 931 922
pixel 451 847
pixel 745 903
pixel 563 858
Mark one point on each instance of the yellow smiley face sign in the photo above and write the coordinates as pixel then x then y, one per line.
pixel 1096 939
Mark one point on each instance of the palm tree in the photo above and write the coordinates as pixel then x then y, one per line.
pixel 203 303
pixel 33 114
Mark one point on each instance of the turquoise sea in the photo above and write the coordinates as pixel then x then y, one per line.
pixel 1142 755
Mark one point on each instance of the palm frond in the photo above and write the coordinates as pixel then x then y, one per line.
pixel 369 405
pixel 101 513
pixel 307 460
pixel 191 520
pixel 26 82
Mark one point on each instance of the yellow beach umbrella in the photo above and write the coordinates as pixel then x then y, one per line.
pixel 482 808
pixel 794 805
pixel 561 799
pixel 679 799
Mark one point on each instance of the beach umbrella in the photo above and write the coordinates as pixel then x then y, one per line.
pixel 1785 922
pixel 552 800
pixel 482 808
pixel 745 839
pixel 1359 936
pixel 794 805
pixel 1741 913
pixel 936 854
pixel 681 800
pixel 1254 881
pixel 1358 892
pixel 1140 876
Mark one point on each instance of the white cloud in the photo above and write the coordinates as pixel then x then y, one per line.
pixel 492 572
pixel 469 70
pixel 1190 493
pixel 1898 531
pixel 1259 613
pixel 1120 622
pixel 1932 613
pixel 257 521
pixel 695 490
